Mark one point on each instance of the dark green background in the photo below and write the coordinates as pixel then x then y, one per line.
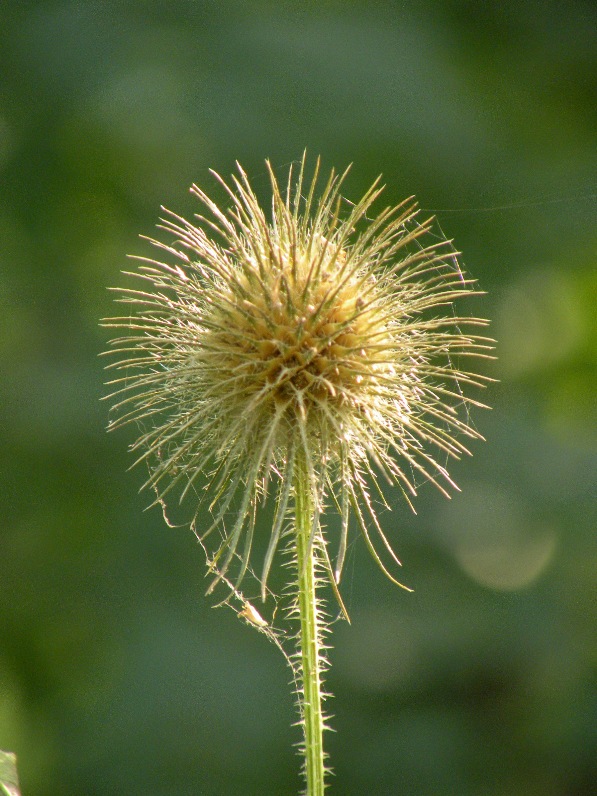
pixel 116 676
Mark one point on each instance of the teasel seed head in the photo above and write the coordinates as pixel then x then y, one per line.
pixel 312 330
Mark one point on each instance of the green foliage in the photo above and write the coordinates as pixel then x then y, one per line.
pixel 9 780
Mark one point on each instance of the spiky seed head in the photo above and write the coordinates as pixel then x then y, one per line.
pixel 313 330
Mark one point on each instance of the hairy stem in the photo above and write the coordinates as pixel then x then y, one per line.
pixel 309 641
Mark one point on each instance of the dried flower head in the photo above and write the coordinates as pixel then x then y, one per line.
pixel 313 331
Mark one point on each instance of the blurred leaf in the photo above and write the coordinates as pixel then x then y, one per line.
pixel 9 780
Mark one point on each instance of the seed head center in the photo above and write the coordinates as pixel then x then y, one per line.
pixel 306 342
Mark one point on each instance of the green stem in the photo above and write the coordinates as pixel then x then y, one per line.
pixel 309 640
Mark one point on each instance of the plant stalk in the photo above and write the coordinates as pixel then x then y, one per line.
pixel 309 639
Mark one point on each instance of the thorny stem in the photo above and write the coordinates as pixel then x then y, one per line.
pixel 309 639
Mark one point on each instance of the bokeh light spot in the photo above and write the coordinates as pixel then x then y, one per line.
pixel 495 542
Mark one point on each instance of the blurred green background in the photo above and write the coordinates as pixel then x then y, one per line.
pixel 116 676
